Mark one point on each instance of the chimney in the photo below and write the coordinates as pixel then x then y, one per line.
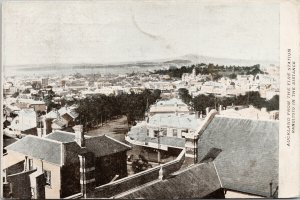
pixel 44 128
pixel 160 173
pixel 207 110
pixel 191 148
pixel 79 135
pixel 25 163
pixel 201 116
pixel 271 189
pixel 197 114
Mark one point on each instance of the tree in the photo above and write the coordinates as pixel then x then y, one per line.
pixel 26 91
pixel 232 76
pixel 15 95
pixel 184 95
pixel 273 104
pixel 201 102
pixel 95 110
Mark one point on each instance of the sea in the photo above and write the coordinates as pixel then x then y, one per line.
pixel 61 71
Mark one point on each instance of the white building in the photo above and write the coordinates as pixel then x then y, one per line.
pixel 26 120
pixel 169 106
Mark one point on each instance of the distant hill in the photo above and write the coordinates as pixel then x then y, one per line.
pixel 224 61
pixel 180 61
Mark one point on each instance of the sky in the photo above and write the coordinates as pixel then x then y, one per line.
pixel 74 32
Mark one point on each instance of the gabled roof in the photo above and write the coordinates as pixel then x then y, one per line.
pixel 52 115
pixel 69 110
pixel 61 136
pixel 99 145
pixel 59 123
pixel 248 161
pixel 197 181
pixel 50 148
pixel 39 148
pixel 105 145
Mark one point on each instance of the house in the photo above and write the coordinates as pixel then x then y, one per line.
pixel 24 123
pixel 70 163
pixel 38 106
pixel 9 88
pixel 68 114
pixel 60 119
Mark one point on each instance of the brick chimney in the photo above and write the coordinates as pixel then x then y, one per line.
pixel 79 135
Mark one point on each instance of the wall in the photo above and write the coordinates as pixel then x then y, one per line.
pixel 234 194
pixel 128 183
pixel 20 185
pixel 52 191
pixel 109 166
pixel 70 179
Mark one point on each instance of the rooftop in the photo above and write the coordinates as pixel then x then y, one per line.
pixel 248 160
pixel 50 148
pixel 183 121
pixel 37 147
pixel 197 181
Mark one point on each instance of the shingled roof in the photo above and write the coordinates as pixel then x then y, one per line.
pixel 198 181
pixel 248 160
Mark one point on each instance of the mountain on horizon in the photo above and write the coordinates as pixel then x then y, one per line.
pixel 187 59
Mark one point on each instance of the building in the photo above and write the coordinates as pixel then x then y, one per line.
pixel 197 181
pixel 70 163
pixel 24 123
pixel 250 113
pixel 236 158
pixel 173 105
pixel 168 131
pixel 60 119
pixel 245 153
pixel 9 88
pixel 45 82
pixel 243 150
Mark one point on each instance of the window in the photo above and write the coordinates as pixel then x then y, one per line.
pixel 156 133
pixel 164 131
pixel 47 175
pixel 30 164
pixel 175 132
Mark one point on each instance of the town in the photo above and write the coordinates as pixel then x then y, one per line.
pixel 194 131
